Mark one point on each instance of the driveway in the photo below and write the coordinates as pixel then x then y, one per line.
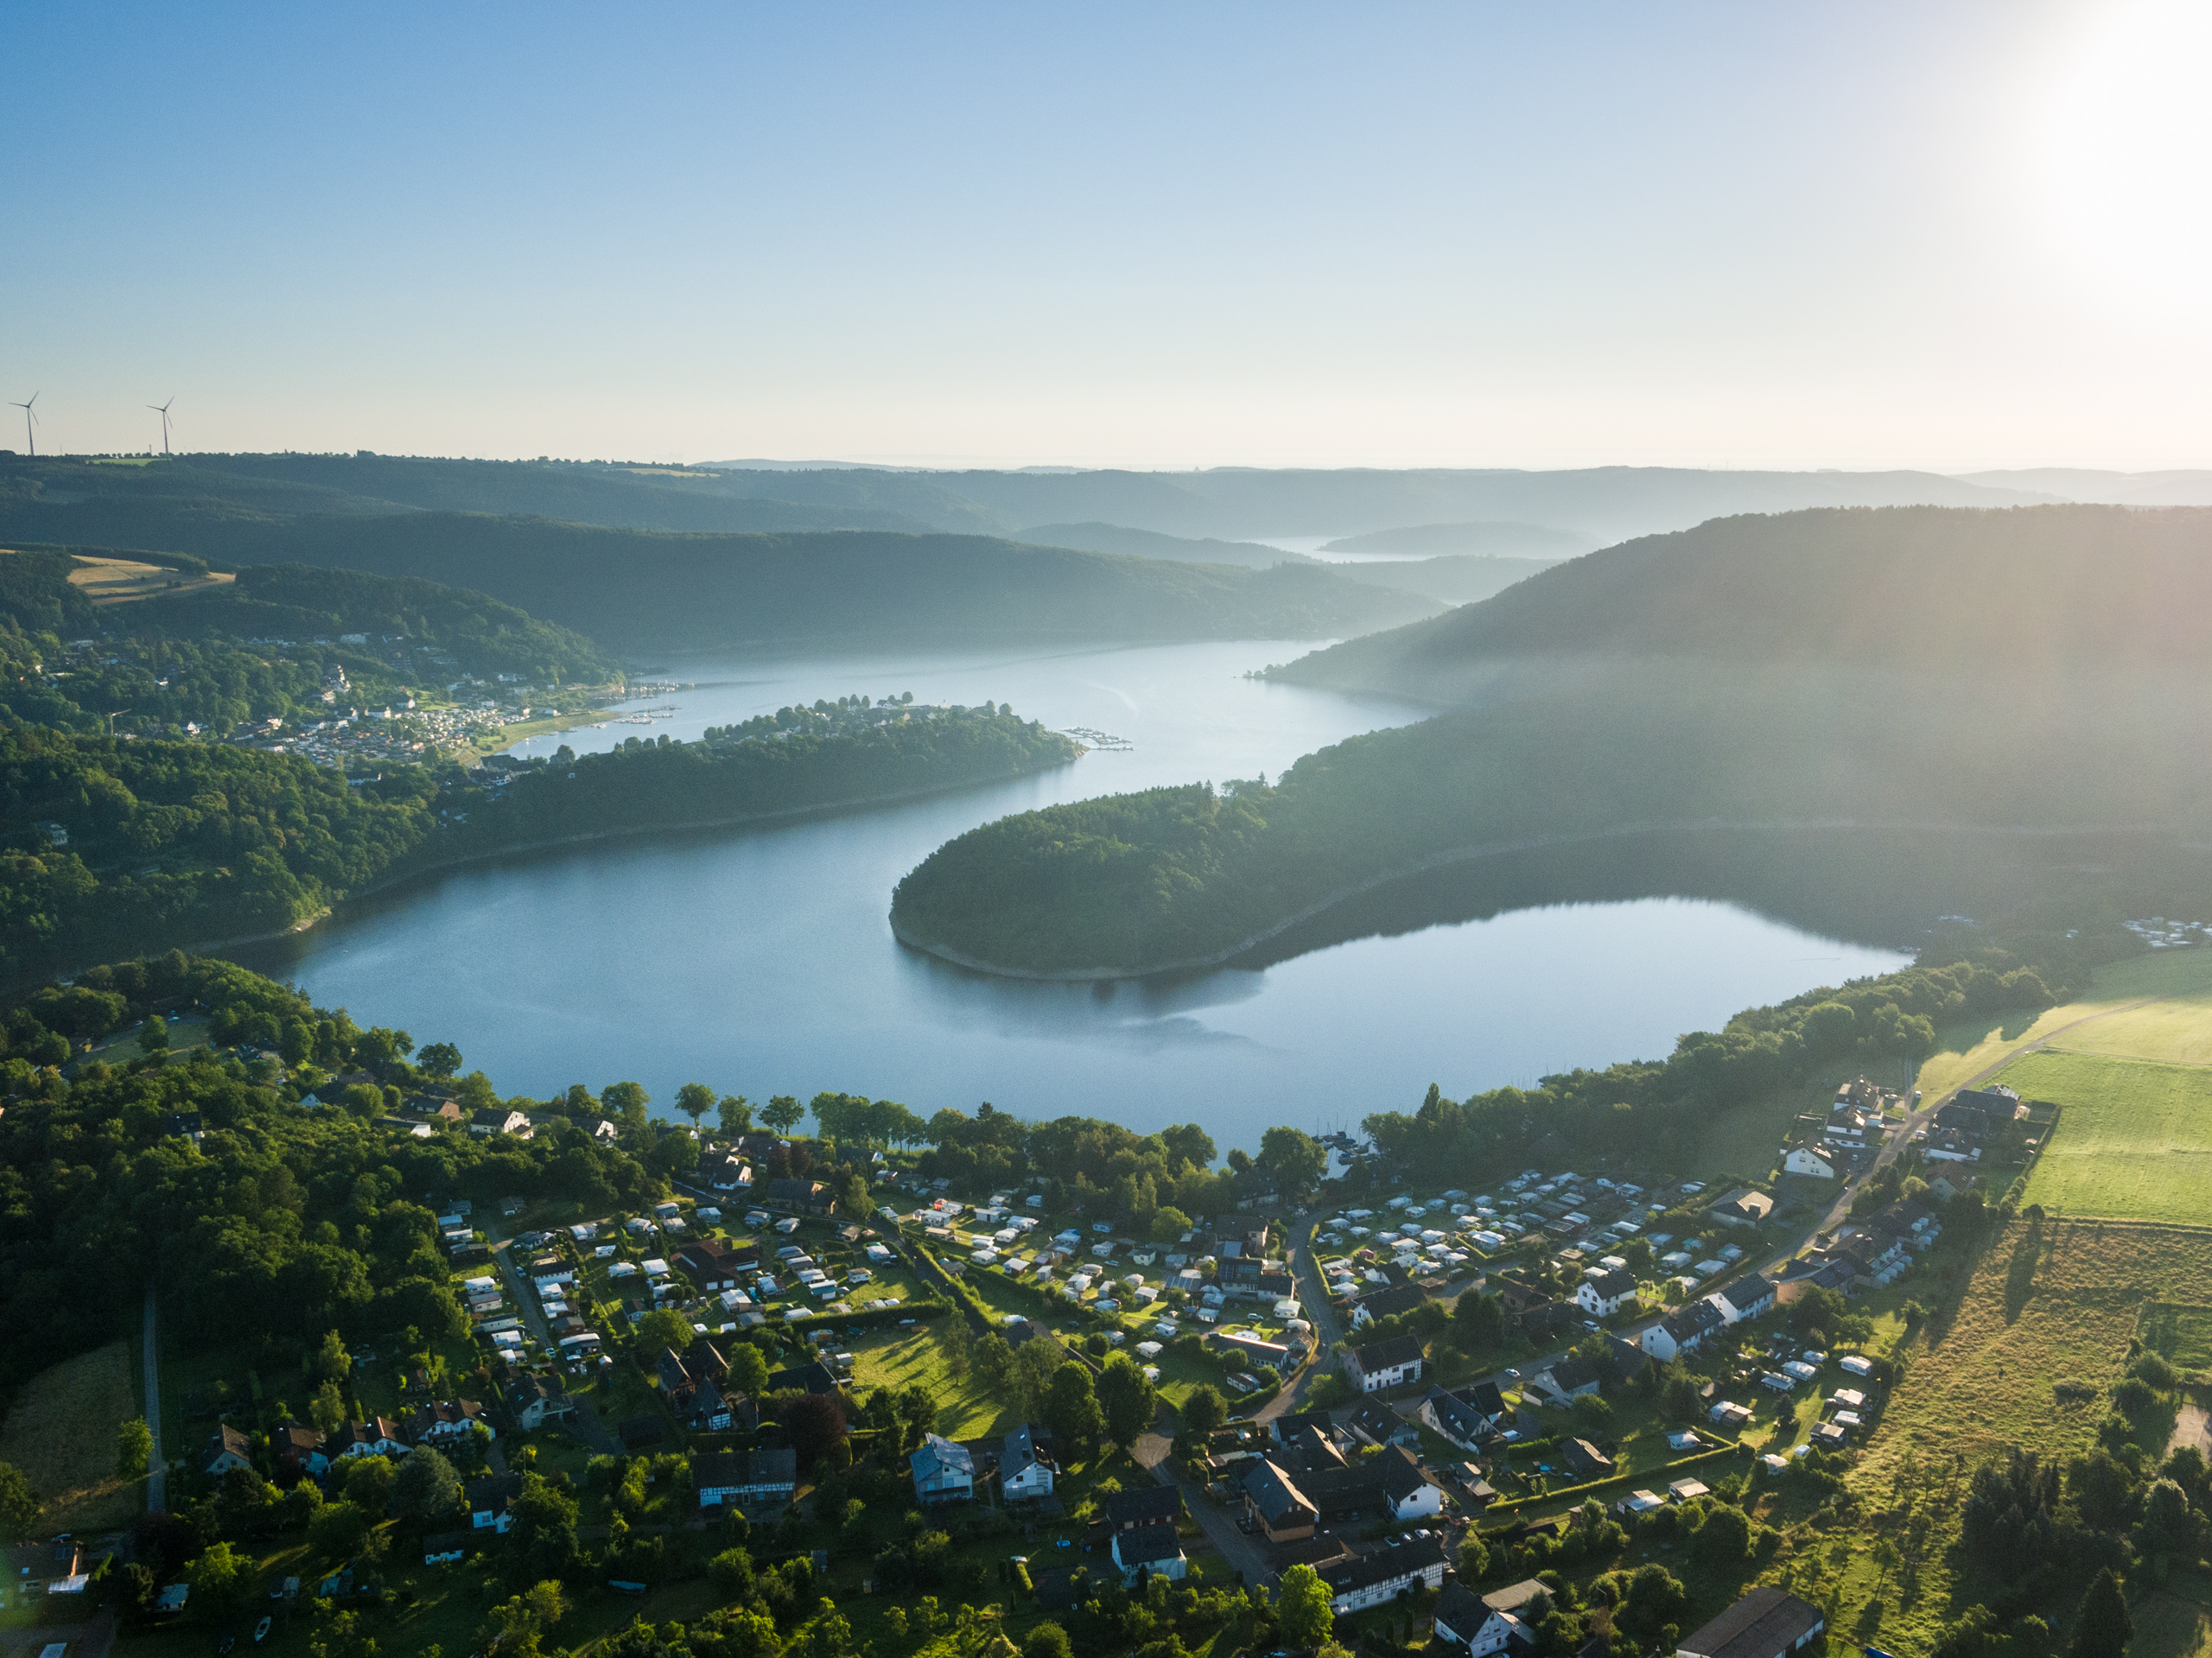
pixel 1245 1555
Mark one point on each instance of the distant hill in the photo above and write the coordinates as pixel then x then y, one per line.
pixel 1999 703
pixel 2187 488
pixel 122 503
pixel 2043 588
pixel 1609 502
pixel 1153 543
pixel 635 588
pixel 1450 580
pixel 1483 540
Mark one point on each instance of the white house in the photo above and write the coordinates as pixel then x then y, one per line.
pixel 1380 1576
pixel 1022 1473
pixel 1480 1625
pixel 1153 1549
pixel 1684 1331
pixel 1821 1162
pixel 943 1470
pixel 1384 1364
pixel 1606 1292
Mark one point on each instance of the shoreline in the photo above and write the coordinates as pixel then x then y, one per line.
pixel 397 880
pixel 1469 855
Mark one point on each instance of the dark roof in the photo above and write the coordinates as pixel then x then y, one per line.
pixel 493 1491
pixel 1288 1426
pixel 1764 1623
pixel 1585 1458
pixel 1398 1469
pixel 1572 1373
pixel 1398 1297
pixel 1383 1564
pixel 1388 1355
pixel 1274 1494
pixel 1485 1397
pixel 776 1465
pixel 1748 1291
pixel 813 1376
pixel 1378 1423
pixel 1463 1420
pixel 1698 1319
pixel 1145 1505
pixel 1612 1284
pixel 1142 1545
pixel 1460 1609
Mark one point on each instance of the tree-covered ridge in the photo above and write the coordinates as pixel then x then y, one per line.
pixel 269 643
pixel 1137 882
pixel 1987 593
pixel 792 574
pixel 171 843
pixel 809 763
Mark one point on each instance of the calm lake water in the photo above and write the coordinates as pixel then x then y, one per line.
pixel 762 962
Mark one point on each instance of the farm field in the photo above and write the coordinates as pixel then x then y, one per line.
pixel 2135 1140
pixel 2177 1031
pixel 61 1433
pixel 1966 1048
pixel 2047 1303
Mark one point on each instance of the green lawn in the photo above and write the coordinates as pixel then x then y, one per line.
pixel 2180 1331
pixel 2135 1142
pixel 899 1359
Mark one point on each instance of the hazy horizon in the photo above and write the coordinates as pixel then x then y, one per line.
pixel 1949 240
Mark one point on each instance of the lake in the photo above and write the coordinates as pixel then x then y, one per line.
pixel 762 962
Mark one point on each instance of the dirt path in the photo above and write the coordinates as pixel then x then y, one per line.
pixel 2191 1427
pixel 157 1479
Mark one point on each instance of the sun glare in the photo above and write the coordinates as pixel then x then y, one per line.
pixel 2128 144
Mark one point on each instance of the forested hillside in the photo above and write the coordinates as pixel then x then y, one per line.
pixel 1137 882
pixel 163 843
pixel 269 643
pixel 806 765
pixel 1981 594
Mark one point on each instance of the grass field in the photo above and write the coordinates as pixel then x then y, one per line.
pixel 2167 1626
pixel 911 1359
pixel 2135 1142
pixel 2045 1304
pixel 2179 1331
pixel 1965 1050
pixel 61 1434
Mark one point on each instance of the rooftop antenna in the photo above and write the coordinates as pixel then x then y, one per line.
pixel 29 421
pixel 162 410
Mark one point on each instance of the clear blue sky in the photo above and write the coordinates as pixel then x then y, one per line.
pixel 1827 234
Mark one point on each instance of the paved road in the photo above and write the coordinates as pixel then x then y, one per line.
pixel 157 1480
pixel 525 1302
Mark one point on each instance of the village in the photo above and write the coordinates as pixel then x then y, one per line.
pixel 1426 1399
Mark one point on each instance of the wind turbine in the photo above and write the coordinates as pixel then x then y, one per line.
pixel 162 410
pixel 29 421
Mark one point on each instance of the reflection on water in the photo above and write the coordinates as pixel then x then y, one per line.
pixel 762 962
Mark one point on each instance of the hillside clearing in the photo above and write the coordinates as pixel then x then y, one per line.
pixel 62 1433
pixel 2134 1142
pixel 121 581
